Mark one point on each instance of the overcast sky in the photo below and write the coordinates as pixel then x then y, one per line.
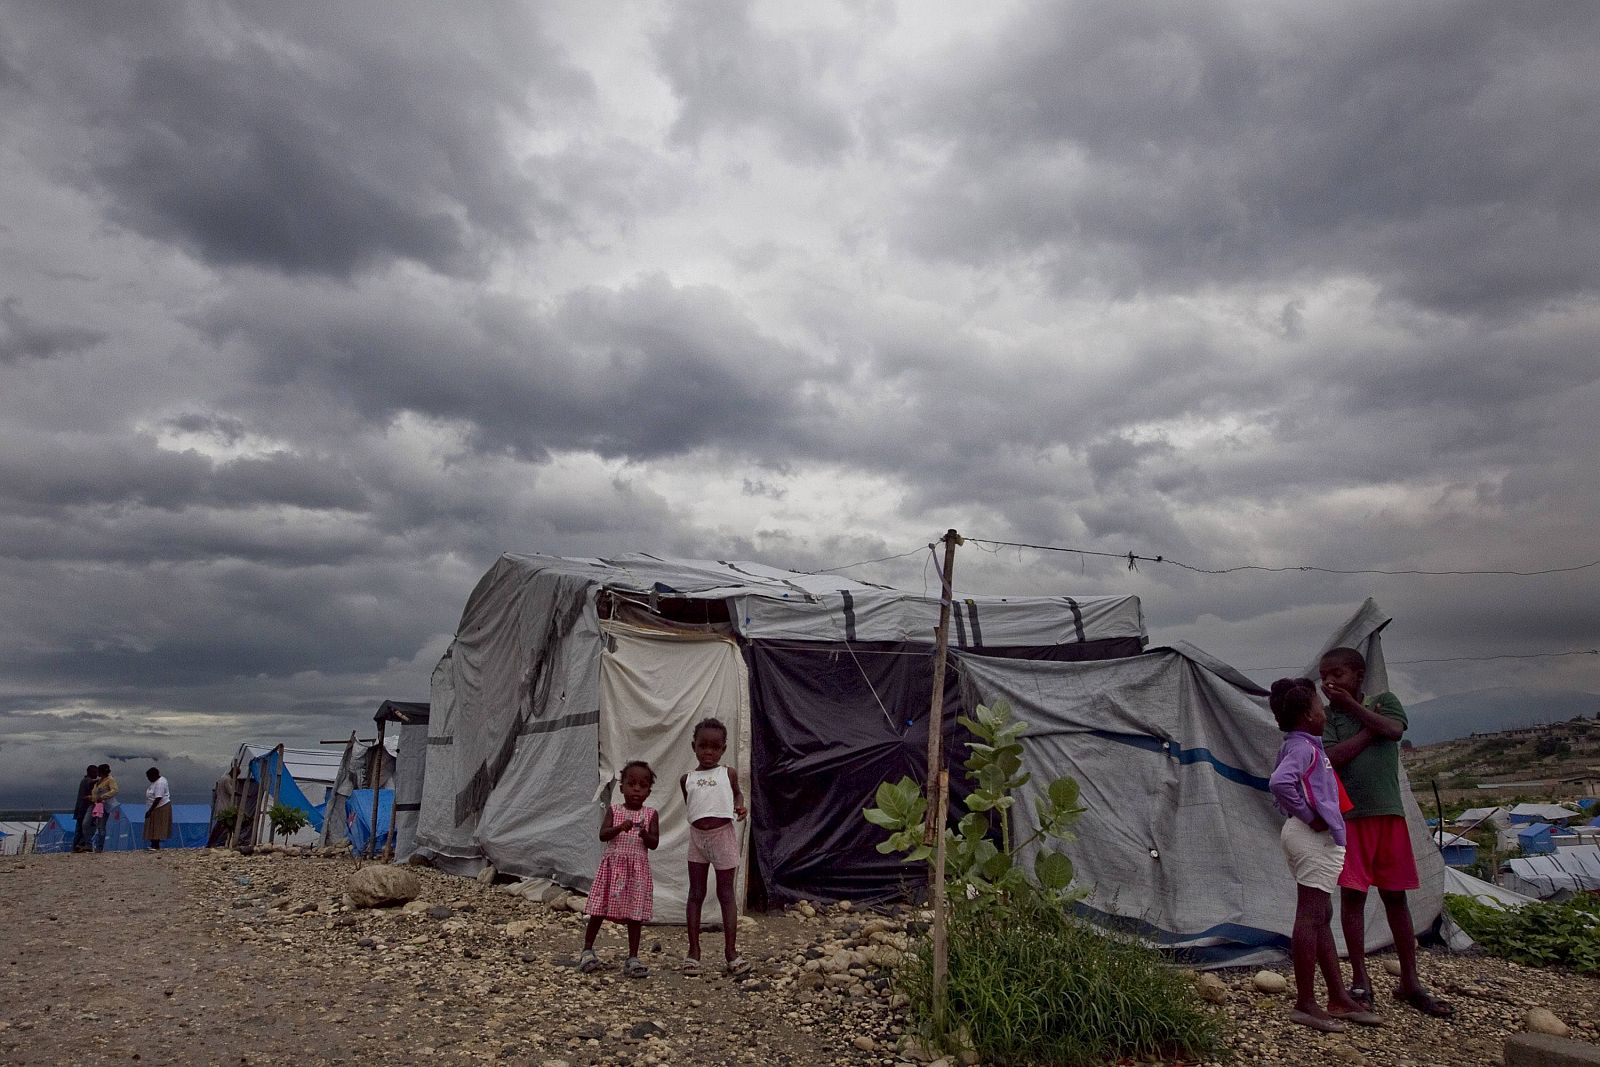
pixel 309 311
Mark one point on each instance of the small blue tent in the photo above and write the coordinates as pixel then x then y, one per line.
pixel 288 790
pixel 358 818
pixel 1536 840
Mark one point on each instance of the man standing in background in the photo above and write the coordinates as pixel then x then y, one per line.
pixel 80 810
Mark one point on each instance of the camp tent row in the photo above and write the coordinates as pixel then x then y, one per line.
pixel 562 670
pixel 125 829
pixel 396 774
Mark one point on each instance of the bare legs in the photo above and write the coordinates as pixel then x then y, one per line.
pixel 592 931
pixel 1312 949
pixel 1352 919
pixel 698 875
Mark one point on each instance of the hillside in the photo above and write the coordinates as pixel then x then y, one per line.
pixel 1493 710
pixel 1528 763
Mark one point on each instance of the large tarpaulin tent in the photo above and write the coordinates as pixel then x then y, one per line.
pixel 1558 875
pixel 1172 751
pixel 562 670
pixel 125 829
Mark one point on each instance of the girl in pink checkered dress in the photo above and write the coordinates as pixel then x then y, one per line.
pixel 622 886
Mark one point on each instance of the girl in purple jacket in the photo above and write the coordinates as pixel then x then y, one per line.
pixel 1307 791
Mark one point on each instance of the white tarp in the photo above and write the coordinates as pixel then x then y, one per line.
pixel 410 763
pixel 654 686
pixel 1557 874
pixel 1458 883
pixel 1172 751
pixel 14 834
pixel 1544 812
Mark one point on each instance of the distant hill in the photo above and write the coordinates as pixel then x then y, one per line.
pixel 1492 710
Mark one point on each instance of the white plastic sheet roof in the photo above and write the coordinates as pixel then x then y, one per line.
pixel 1472 815
pixel 774 603
pixel 1573 870
pixel 319 765
pixel 1546 812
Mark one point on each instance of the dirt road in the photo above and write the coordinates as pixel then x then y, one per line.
pixel 207 957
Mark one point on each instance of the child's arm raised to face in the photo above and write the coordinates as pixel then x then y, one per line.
pixel 739 809
pixel 1382 726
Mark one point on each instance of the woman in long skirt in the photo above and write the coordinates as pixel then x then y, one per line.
pixel 158 819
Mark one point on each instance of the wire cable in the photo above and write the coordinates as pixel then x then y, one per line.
pixel 1133 558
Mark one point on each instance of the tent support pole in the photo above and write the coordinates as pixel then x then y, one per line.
pixel 939 787
pixel 239 792
pixel 375 779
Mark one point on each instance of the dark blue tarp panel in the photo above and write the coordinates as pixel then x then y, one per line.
pixel 358 818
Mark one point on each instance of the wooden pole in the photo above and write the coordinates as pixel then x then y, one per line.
pixel 375 779
pixel 239 792
pixel 939 784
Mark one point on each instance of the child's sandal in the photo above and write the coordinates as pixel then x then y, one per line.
pixel 738 965
pixel 691 965
pixel 588 962
pixel 634 969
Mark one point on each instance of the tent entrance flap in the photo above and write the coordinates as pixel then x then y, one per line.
pixel 654 686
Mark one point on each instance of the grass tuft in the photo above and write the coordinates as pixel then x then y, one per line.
pixel 1032 984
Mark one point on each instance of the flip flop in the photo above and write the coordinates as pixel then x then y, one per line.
pixel 1361 995
pixel 1421 1001
pixel 1316 1022
pixel 1360 1018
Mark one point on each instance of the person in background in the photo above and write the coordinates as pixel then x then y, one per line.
pixel 103 798
pixel 158 817
pixel 81 808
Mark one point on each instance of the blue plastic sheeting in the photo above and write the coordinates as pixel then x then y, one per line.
pixel 1536 840
pixel 358 818
pixel 1586 803
pixel 191 825
pixel 288 790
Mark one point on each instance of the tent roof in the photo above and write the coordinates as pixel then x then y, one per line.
pixel 304 764
pixel 1533 829
pixel 775 603
pixel 402 711
pixel 1445 840
pixel 1476 814
pixel 1576 868
pixel 1547 812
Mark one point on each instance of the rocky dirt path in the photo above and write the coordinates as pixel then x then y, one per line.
pixel 215 958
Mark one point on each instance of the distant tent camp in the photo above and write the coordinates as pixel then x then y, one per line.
pixel 125 830
pixel 564 669
pixel 18 835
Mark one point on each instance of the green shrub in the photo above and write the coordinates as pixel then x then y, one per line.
pixel 1033 984
pixel 1542 934
pixel 286 819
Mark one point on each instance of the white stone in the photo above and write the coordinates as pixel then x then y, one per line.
pixel 1212 989
pixel 1544 1021
pixel 1391 966
pixel 1270 982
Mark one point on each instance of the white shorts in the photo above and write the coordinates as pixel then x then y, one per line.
pixel 1313 857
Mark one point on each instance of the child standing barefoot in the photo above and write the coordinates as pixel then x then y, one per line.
pixel 622 886
pixel 1306 790
pixel 712 794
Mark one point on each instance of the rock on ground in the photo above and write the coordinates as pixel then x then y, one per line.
pixel 377 886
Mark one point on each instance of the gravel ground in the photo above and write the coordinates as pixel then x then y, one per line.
pixel 211 957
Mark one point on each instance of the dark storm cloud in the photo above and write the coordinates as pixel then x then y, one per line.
pixel 22 338
pixel 1445 152
pixel 731 75
pixel 311 140
pixel 645 370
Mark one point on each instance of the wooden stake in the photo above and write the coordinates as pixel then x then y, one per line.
pixel 939 784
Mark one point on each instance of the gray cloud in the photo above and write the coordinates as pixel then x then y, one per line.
pixel 1443 153
pixel 22 338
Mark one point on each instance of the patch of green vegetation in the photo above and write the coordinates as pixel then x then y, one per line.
pixel 1028 981
pixel 1542 934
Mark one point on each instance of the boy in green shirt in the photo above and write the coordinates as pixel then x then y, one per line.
pixel 1362 738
